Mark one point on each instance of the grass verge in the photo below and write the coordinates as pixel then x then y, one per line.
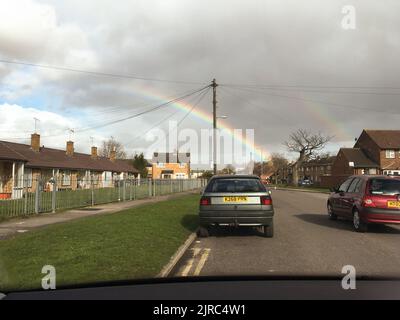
pixel 131 244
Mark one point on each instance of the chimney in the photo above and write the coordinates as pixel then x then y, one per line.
pixel 113 155
pixel 70 148
pixel 94 153
pixel 35 142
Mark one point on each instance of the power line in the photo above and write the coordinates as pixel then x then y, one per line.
pixel 321 102
pixel 104 124
pixel 262 86
pixel 157 124
pixel 317 90
pixel 98 73
pixel 187 114
pixel 230 92
pixel 145 112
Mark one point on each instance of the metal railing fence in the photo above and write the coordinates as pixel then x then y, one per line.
pixel 35 196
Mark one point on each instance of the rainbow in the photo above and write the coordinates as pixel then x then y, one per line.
pixel 258 151
pixel 327 119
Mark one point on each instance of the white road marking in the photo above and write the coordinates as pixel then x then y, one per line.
pixel 22 231
pixel 202 261
pixel 190 262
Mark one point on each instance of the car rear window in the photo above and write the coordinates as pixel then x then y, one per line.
pixel 235 185
pixel 384 186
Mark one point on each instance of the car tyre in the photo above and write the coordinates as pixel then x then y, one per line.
pixel 269 230
pixel 203 232
pixel 358 224
pixel 331 214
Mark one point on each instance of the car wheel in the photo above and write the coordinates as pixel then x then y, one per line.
pixel 202 232
pixel 331 214
pixel 358 224
pixel 269 230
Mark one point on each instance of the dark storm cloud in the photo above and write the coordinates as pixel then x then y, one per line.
pixel 294 43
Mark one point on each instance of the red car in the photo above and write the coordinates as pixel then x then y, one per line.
pixel 365 200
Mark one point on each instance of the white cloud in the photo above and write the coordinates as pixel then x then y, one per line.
pixel 17 123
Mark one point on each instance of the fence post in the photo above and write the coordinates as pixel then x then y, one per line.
pixel 154 187
pixel 124 190
pixel 54 196
pixel 37 196
pixel 149 184
pixel 92 190
pixel 26 200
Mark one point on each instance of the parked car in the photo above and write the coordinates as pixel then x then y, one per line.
pixel 304 183
pixel 366 199
pixel 236 201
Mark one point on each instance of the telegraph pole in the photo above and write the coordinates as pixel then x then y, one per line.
pixel 214 86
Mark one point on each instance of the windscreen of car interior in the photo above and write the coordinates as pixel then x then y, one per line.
pixel 121 120
pixel 235 185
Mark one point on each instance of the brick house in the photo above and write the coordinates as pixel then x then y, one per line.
pixel 170 166
pixel 382 147
pixel 349 161
pixel 23 165
pixel 375 152
pixel 315 169
pixel 312 170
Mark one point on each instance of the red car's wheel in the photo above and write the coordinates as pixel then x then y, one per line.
pixel 331 214
pixel 358 224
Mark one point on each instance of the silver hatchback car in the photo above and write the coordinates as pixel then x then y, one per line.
pixel 236 200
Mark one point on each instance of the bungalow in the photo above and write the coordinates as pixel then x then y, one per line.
pixel 23 166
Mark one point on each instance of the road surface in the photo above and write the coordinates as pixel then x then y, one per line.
pixel 305 243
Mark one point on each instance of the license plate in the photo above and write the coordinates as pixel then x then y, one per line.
pixel 235 199
pixel 393 204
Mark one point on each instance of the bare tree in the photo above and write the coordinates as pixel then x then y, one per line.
pixel 307 144
pixel 110 145
pixel 278 162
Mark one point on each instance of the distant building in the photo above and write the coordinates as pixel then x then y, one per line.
pixel 375 152
pixel 170 165
pixel 312 170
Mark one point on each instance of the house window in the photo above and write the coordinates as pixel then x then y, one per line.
pixel 66 178
pixel 28 177
pixel 390 154
pixel 160 165
pixel 182 165
pixel 372 171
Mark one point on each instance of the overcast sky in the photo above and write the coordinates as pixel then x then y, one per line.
pixel 329 79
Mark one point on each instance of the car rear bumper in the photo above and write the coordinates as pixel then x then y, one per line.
pixel 233 218
pixel 384 216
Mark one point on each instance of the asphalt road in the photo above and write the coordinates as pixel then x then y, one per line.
pixel 305 243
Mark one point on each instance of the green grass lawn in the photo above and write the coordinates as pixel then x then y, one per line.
pixel 131 244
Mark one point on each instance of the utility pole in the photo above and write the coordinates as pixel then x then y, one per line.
pixel 214 86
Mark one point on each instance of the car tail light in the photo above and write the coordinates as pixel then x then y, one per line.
pixel 368 202
pixel 266 201
pixel 205 201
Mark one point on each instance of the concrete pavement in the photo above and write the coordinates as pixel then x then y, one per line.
pixel 306 242
pixel 22 225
